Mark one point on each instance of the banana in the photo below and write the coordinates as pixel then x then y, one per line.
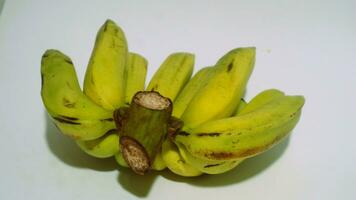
pixel 158 163
pixel 190 89
pixel 207 166
pixel 172 75
pixel 220 97
pixel 73 112
pixel 240 107
pixel 120 160
pixel 136 71
pixel 104 80
pixel 175 162
pixel 245 135
pixel 103 147
pixel 260 100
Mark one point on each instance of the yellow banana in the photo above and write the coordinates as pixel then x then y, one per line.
pixel 104 79
pixel 175 161
pixel 172 75
pixel 220 97
pixel 158 163
pixel 190 89
pixel 260 100
pixel 136 71
pixel 103 147
pixel 73 112
pixel 120 160
pixel 244 135
pixel 207 166
pixel 240 107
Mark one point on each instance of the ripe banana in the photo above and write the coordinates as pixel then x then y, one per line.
pixel 120 160
pixel 245 135
pixel 220 97
pixel 240 107
pixel 104 80
pixel 175 162
pixel 136 70
pixel 207 166
pixel 191 88
pixel 260 100
pixel 172 75
pixel 73 112
pixel 158 163
pixel 103 147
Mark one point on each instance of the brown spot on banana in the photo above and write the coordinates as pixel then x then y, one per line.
pixel 230 66
pixel 213 165
pixel 68 103
pixel 208 134
pixel 65 121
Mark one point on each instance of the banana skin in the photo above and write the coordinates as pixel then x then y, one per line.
pixel 220 97
pixel 104 80
pixel 72 112
pixel 245 135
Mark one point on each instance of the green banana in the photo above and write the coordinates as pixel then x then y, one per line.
pixel 220 97
pixel 240 107
pixel 158 163
pixel 260 100
pixel 190 89
pixel 103 147
pixel 175 162
pixel 73 112
pixel 245 135
pixel 136 71
pixel 104 80
pixel 207 166
pixel 172 75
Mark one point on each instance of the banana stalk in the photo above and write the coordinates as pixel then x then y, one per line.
pixel 142 128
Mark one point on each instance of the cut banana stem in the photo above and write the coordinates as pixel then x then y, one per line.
pixel 136 70
pixel 190 89
pixel 73 112
pixel 104 80
pixel 172 75
pixel 142 129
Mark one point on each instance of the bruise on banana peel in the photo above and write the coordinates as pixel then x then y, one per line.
pixel 142 127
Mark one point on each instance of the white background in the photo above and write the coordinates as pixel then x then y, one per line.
pixel 303 47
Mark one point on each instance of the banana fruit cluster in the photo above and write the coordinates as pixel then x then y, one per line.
pixel 220 129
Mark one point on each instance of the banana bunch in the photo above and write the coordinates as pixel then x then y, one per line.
pixel 211 128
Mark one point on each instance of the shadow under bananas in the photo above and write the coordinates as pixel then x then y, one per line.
pixel 244 171
pixel 66 150
pixel 2 3
pixel 138 185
